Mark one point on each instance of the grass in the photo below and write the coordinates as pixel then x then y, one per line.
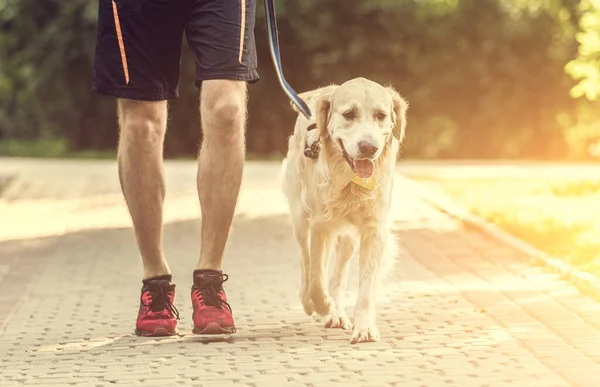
pixel 558 216
pixel 56 148
pixel 4 181
pixel 48 148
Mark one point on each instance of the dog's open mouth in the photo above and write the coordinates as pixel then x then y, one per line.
pixel 362 167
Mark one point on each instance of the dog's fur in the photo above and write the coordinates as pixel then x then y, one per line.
pixel 330 213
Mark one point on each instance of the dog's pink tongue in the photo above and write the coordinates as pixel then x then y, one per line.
pixel 364 168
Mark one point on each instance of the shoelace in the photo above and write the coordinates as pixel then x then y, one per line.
pixel 160 299
pixel 209 287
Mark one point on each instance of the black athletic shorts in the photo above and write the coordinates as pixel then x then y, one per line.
pixel 138 45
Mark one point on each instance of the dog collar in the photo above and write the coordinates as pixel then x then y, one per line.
pixel 312 150
pixel 368 183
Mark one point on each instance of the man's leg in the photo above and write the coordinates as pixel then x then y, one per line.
pixel 140 67
pixel 221 160
pixel 140 163
pixel 221 36
pixel 220 165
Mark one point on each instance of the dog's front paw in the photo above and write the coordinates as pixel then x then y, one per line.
pixel 364 331
pixel 306 302
pixel 322 303
pixel 337 320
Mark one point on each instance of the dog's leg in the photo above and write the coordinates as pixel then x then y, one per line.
pixel 302 234
pixel 305 282
pixel 374 246
pixel 321 243
pixel 346 249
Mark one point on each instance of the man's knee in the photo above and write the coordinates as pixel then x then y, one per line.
pixel 142 121
pixel 224 107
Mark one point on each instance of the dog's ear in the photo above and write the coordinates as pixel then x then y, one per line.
pixel 309 97
pixel 399 108
pixel 323 107
pixel 294 107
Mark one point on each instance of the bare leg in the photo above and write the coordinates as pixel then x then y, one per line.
pixel 221 162
pixel 140 163
pixel 346 249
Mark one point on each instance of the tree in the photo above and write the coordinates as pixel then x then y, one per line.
pixel 485 78
pixel 586 66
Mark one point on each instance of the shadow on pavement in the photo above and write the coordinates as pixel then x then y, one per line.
pixel 87 284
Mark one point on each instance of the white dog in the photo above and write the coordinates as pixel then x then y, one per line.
pixel 338 181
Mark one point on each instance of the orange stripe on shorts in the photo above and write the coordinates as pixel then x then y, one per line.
pixel 242 29
pixel 121 45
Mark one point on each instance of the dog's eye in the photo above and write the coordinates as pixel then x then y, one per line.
pixel 380 116
pixel 349 114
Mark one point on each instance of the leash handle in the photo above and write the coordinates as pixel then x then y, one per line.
pixel 275 55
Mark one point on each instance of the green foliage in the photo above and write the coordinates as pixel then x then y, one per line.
pixel 485 78
pixel 586 67
pixel 46 54
pixel 49 148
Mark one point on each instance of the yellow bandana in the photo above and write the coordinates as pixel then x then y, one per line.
pixel 368 183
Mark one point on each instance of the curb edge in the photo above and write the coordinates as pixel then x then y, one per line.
pixel 586 283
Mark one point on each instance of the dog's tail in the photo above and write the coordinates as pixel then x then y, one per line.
pixel 283 167
pixel 282 175
pixel 390 257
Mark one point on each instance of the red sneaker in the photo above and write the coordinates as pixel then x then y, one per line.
pixel 157 315
pixel 212 313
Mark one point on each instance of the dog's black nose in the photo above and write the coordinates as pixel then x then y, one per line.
pixel 367 149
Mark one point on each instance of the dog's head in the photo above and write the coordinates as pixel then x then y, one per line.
pixel 362 118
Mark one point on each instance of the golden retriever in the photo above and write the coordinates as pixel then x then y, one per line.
pixel 340 195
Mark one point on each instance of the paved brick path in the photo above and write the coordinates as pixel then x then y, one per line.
pixel 460 309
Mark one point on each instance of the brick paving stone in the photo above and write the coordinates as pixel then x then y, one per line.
pixel 460 309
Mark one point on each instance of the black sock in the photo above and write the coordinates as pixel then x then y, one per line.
pixel 201 271
pixel 166 277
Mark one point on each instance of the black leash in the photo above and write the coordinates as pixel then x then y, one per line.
pixel 274 46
